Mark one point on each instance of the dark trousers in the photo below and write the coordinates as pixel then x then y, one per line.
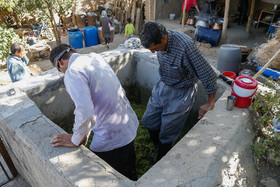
pixel 243 6
pixel 107 40
pixel 162 148
pixel 121 159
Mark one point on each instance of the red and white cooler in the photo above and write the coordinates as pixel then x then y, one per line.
pixel 244 88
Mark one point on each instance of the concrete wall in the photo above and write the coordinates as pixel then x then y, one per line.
pixel 50 98
pixel 165 7
pixel 214 152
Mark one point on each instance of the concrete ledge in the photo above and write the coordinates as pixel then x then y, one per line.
pixel 214 152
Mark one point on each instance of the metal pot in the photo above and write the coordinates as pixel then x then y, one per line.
pixel 191 21
pixel 217 26
pixel 202 23
pixel 219 20
pixel 210 22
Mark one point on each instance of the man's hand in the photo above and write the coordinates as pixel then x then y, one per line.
pixel 204 109
pixel 208 106
pixel 24 55
pixel 63 140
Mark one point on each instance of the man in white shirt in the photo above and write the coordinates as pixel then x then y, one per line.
pixel 100 106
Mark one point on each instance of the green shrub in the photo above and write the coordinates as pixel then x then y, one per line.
pixel 7 38
pixel 266 107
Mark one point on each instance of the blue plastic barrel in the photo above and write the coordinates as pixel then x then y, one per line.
pixel 205 34
pixel 75 38
pixel 91 36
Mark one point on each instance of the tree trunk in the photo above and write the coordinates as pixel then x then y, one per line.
pixel 250 16
pixel 55 27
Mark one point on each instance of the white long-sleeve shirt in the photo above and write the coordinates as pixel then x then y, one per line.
pixel 100 103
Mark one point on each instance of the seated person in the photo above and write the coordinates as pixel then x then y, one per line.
pixel 17 63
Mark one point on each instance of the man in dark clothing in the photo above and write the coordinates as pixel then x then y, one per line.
pixel 181 64
pixel 242 7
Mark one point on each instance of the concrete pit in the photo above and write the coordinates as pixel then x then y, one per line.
pixel 214 152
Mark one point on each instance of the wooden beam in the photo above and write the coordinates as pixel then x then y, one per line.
pixel 250 18
pixel 225 24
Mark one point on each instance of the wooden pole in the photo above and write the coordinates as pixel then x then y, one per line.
pixel 155 8
pixel 184 13
pixel 133 12
pixel 137 22
pixel 266 65
pixel 250 16
pixel 225 24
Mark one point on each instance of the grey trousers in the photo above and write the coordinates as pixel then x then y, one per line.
pixel 168 110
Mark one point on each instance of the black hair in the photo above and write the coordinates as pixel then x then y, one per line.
pixel 58 49
pixel 151 32
pixel 16 47
pixel 128 20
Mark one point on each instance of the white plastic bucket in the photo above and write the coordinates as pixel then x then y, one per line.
pixel 243 92
pixel 172 16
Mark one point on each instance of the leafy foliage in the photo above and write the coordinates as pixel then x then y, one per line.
pixel 266 107
pixel 143 144
pixel 7 38
pixel 8 4
pixel 45 9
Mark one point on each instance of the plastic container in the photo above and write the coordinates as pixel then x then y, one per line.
pixel 75 38
pixel 205 34
pixel 91 36
pixel 172 16
pixel 244 88
pixel 270 73
pixel 229 74
pixel 229 58
pixel 246 72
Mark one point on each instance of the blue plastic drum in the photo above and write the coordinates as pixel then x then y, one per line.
pixel 75 38
pixel 91 36
pixel 205 34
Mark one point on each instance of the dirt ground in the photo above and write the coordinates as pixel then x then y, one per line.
pixel 235 35
pixel 269 176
